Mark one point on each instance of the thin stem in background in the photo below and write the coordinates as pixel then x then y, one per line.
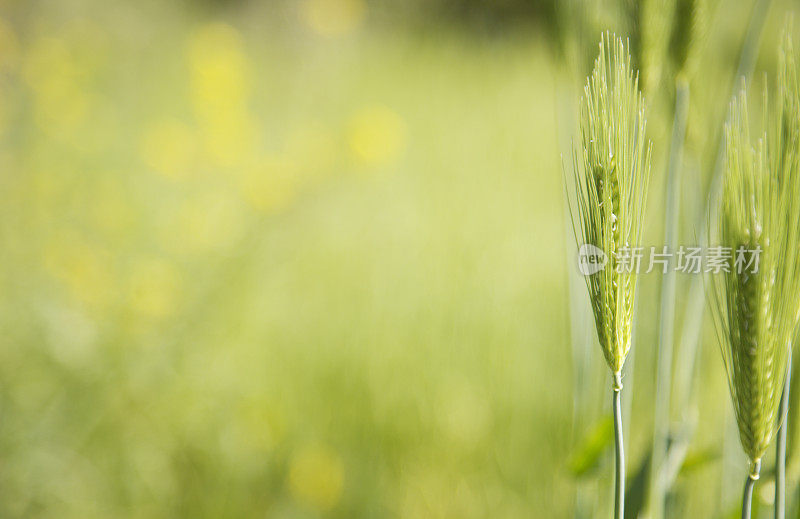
pixel 780 450
pixel 666 325
pixel 747 499
pixel 619 488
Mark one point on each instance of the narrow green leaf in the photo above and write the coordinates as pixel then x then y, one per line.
pixel 589 451
pixel 698 459
pixel 636 492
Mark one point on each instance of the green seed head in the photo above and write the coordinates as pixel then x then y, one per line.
pixel 611 166
pixel 757 312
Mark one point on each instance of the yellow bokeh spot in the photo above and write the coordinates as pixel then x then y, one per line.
pixel 271 184
pixel 85 270
pixel 230 138
pixel 332 17
pixel 376 136
pixel 219 68
pixel 169 147
pixel 61 102
pixel 316 477
pixel 154 288
pixel 48 58
pixel 220 86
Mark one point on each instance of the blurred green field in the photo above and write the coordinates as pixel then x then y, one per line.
pixel 308 259
pixel 290 270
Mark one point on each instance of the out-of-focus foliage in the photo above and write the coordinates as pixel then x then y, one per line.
pixel 592 448
pixel 492 15
pixel 305 259
pixel 271 263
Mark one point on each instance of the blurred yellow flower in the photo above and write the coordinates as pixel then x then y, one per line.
pixel 230 139
pixel 169 147
pixel 271 184
pixel 316 477
pixel 376 136
pixel 219 68
pixel 154 287
pixel 220 87
pixel 333 17
pixel 84 269
pixel 60 100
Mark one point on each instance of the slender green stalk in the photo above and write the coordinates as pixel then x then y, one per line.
pixel 667 318
pixel 780 450
pixel 749 483
pixel 619 446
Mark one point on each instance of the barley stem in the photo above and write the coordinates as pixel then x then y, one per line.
pixel 780 450
pixel 747 500
pixel 619 489
pixel 667 317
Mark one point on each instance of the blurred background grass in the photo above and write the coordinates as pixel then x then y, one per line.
pixel 306 259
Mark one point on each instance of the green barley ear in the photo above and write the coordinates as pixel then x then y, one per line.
pixel 749 352
pixel 611 166
pixel 757 311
